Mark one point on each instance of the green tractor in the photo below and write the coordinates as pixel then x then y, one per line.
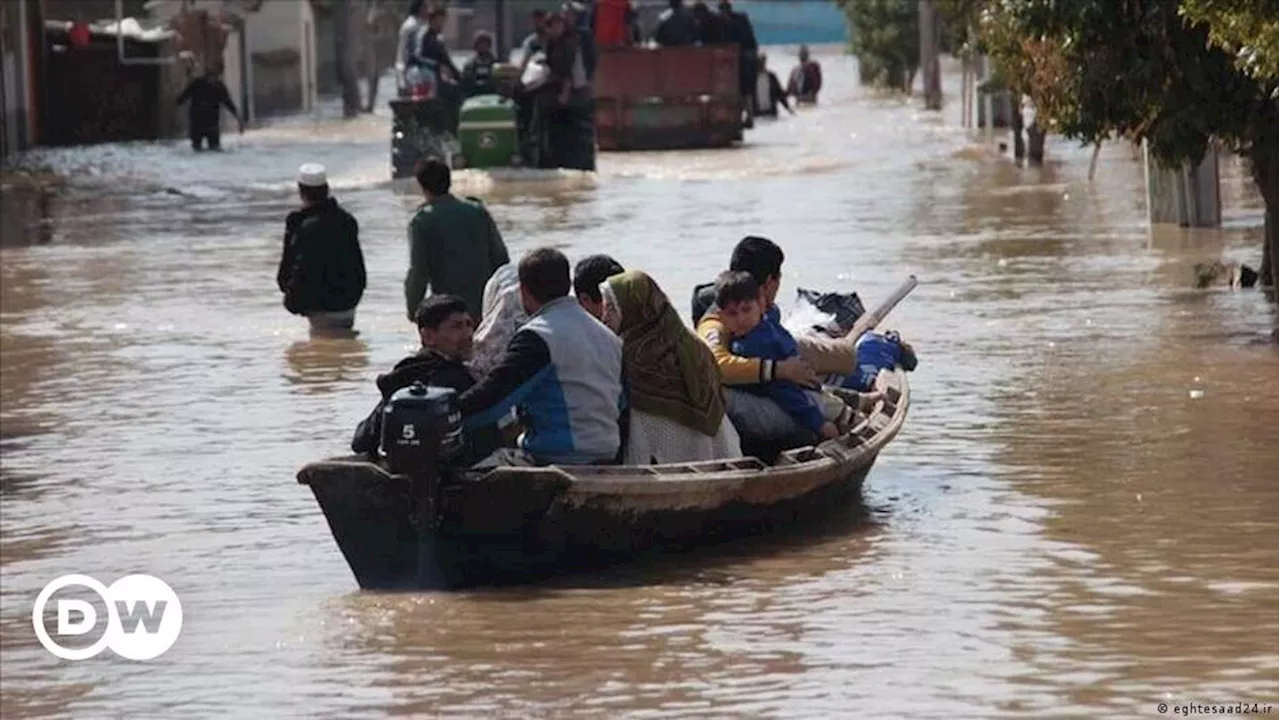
pixel 484 131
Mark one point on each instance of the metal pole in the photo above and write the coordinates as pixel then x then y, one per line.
pixel 500 31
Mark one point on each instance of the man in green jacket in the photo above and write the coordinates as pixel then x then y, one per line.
pixel 454 245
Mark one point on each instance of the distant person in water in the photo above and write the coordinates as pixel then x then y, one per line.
pixel 806 79
pixel 769 93
pixel 206 96
pixel 322 272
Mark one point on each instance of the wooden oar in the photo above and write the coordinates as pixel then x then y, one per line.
pixel 870 320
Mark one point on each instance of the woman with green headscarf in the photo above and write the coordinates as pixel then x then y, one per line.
pixel 677 405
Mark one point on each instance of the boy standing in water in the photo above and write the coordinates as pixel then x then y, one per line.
pixel 741 310
pixel 207 96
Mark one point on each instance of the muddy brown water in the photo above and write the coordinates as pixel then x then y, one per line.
pixel 1079 519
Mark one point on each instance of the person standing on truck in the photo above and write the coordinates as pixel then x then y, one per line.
pixel 677 27
pixel 536 41
pixel 578 23
pixel 408 40
pixel 568 67
pixel 454 245
pixel 432 53
pixel 635 35
pixel 741 32
pixel 207 96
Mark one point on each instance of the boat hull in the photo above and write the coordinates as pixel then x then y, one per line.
pixel 514 525
pixel 370 515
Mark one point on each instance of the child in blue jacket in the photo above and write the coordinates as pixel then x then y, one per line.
pixel 759 334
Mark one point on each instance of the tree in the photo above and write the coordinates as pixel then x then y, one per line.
pixel 1249 31
pixel 885 36
pixel 345 41
pixel 1143 70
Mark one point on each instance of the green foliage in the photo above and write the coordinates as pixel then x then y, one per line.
pixel 885 36
pixel 960 20
pixel 1132 68
pixel 1248 30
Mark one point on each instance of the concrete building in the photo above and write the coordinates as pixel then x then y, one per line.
pixel 281 48
pixel 270 57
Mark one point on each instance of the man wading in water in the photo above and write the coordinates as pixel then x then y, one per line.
pixel 207 96
pixel 454 244
pixel 322 268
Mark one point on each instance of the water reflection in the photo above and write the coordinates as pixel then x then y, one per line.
pixel 329 358
pixel 717 628
pixel 26 215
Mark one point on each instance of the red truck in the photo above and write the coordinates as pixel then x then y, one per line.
pixel 667 98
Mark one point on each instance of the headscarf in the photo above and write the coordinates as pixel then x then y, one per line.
pixel 670 371
pixel 502 316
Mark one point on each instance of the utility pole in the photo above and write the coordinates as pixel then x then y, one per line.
pixel 930 47
pixel 503 48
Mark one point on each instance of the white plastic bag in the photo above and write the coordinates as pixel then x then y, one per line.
pixel 536 73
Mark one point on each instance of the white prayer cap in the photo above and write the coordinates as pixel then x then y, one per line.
pixel 312 175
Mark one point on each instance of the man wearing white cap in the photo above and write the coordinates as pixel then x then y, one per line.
pixel 321 271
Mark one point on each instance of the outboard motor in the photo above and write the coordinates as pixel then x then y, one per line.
pixel 421 429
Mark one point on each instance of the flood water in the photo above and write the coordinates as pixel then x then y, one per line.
pixel 1078 520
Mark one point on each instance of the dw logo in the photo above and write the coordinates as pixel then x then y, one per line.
pixel 144 617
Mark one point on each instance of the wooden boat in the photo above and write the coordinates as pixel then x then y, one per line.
pixel 520 524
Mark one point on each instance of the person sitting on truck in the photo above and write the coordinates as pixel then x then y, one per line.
pixel 711 27
pixel 677 27
pixel 769 93
pixel 806 78
pixel 741 32
pixel 477 74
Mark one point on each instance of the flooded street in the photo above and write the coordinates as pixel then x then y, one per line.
pixel 1078 519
